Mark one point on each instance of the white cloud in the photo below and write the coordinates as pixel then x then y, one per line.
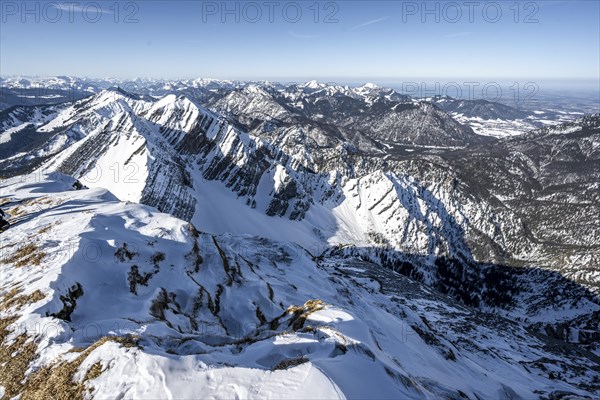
pixel 371 22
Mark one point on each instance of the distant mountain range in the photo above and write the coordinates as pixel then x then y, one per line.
pixel 485 117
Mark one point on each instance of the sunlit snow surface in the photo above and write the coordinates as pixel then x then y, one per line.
pixel 224 328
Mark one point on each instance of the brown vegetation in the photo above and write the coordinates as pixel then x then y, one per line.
pixel 12 299
pixel 49 382
pixel 26 255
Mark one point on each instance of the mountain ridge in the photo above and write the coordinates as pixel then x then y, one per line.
pixel 324 232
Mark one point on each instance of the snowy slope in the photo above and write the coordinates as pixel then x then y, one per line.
pixel 313 189
pixel 132 303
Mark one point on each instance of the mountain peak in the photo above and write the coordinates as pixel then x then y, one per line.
pixel 112 96
pixel 313 85
pixel 255 88
pixel 370 85
pixel 119 90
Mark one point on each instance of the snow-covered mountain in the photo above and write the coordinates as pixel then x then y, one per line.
pixel 365 119
pixel 484 117
pixel 484 109
pixel 175 155
pixel 393 215
pixel 495 119
pixel 117 300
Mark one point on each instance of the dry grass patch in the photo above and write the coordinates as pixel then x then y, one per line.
pixel 12 299
pixel 57 382
pixel 4 324
pixel 299 314
pixel 48 227
pixel 44 200
pixel 309 307
pixel 45 229
pixel 94 372
pixel 11 294
pixel 22 209
pixel 30 254
pixel 49 382
pixel 17 211
pixel 14 358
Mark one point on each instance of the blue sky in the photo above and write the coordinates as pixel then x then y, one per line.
pixel 346 40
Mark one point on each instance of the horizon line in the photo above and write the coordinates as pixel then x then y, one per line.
pixel 303 79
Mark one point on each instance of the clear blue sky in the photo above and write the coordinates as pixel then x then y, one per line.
pixel 385 40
